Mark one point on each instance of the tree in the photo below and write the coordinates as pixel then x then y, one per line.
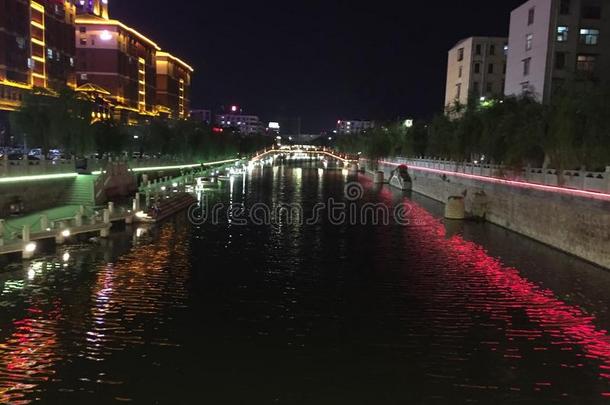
pixel 33 120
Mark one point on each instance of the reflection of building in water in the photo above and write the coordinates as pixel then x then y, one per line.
pixel 141 285
pixel 28 356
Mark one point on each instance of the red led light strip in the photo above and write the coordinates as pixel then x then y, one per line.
pixel 514 183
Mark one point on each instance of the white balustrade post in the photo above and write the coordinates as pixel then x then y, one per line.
pixel 26 237
pixel 105 232
pixel 111 207
pixel 44 222
pixel 78 219
pixel 26 233
pixel 136 203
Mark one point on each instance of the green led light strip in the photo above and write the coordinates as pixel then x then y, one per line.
pixel 37 177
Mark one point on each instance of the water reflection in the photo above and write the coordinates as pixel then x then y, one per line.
pixel 427 313
pixel 61 337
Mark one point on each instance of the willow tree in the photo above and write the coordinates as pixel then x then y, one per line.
pixel 33 120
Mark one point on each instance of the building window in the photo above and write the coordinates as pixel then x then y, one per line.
pixel 589 36
pixel 490 68
pixel 586 63
pixel 526 66
pixel 458 90
pixel 529 42
pixel 530 16
pixel 560 60
pixel 492 50
pixel 476 88
pixel 49 53
pixel 592 12
pixel 477 68
pixel 504 69
pixel 564 7
pixel 83 41
pixel 460 71
pixel 82 29
pixel 562 33
pixel 460 54
pixel 505 49
pixel 478 49
pixel 490 88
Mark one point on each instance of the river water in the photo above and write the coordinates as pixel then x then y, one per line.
pixel 229 311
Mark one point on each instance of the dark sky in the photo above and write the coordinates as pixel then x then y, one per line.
pixel 320 60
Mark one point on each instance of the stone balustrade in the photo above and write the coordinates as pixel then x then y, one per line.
pixel 573 179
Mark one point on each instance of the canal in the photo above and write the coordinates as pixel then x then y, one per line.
pixel 248 307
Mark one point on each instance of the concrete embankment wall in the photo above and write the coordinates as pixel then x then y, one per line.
pixel 573 224
pixel 35 195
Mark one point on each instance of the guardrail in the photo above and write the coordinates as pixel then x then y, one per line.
pixel 26 167
pixel 570 179
pixel 23 168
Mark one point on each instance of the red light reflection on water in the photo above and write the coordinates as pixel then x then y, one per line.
pixel 568 325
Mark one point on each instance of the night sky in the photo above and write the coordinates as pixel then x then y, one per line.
pixel 318 60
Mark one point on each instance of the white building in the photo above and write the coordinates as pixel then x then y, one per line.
pixel 476 67
pixel 246 124
pixel 552 41
pixel 347 127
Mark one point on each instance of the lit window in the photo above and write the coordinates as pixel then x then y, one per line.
pixel 586 63
pixel 562 33
pixel 529 42
pixel 589 36
pixel 50 53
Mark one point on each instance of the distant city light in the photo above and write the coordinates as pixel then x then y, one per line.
pixel 408 123
pixel 274 125
pixel 234 108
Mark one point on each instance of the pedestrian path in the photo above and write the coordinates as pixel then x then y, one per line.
pixel 14 226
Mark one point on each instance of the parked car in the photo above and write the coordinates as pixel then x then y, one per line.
pixel 19 156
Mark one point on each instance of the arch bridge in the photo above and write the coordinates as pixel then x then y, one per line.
pixel 304 153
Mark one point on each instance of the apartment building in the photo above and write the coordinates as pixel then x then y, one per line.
pixel 173 86
pixel 476 67
pixel 36 48
pixel 352 127
pixel 554 41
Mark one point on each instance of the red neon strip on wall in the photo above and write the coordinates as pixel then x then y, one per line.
pixel 514 183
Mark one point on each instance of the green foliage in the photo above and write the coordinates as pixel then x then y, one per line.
pixel 63 121
pixel 571 132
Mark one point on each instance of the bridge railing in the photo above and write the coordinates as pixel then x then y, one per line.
pixel 572 179
pixel 305 149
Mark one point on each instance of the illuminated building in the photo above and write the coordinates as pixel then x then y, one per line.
pixel 120 60
pixel 476 67
pixel 141 80
pixel 93 7
pixel 36 47
pixel 236 119
pixel 347 127
pixel 554 41
pixel 173 86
